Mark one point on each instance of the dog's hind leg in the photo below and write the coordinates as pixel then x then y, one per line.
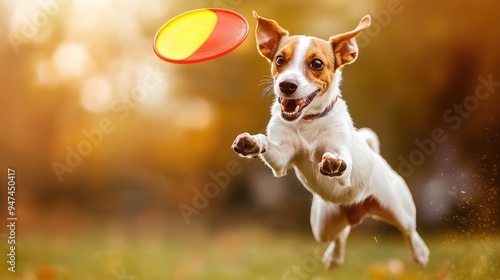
pixel 330 224
pixel 334 254
pixel 400 212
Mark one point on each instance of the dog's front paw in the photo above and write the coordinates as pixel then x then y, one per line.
pixel 247 146
pixel 332 166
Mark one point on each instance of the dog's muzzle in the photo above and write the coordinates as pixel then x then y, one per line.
pixel 291 109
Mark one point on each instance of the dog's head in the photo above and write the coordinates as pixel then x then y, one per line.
pixel 303 67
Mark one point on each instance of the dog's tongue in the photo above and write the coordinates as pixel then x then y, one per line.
pixel 289 105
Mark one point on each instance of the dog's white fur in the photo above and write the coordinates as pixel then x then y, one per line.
pixel 359 181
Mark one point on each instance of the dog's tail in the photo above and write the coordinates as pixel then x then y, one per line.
pixel 371 138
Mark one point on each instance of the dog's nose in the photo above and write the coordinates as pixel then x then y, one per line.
pixel 288 88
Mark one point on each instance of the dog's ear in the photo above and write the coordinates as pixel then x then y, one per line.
pixel 344 45
pixel 269 35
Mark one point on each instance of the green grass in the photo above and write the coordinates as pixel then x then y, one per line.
pixel 247 253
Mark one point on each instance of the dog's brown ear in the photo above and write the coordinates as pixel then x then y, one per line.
pixel 344 45
pixel 269 35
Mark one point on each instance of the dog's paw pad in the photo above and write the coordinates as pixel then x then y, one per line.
pixel 246 145
pixel 332 166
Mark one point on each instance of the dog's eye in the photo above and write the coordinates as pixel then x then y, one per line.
pixel 316 64
pixel 280 60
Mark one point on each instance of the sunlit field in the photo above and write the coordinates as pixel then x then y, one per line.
pixel 250 253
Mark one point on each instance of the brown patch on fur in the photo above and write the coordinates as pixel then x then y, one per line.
pixel 287 50
pixel 269 35
pixel 322 50
pixel 345 46
pixel 370 206
pixel 356 212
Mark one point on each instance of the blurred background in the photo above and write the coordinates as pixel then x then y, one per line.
pixel 123 161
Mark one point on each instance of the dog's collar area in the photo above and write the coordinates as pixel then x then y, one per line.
pixel 322 114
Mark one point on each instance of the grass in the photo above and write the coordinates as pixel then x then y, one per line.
pixel 247 253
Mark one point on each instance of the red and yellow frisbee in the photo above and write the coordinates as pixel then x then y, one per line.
pixel 200 35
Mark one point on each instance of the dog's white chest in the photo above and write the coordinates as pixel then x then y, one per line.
pixel 312 142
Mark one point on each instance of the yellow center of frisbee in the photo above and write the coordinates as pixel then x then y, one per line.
pixel 182 36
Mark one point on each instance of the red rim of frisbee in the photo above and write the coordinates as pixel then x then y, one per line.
pixel 230 30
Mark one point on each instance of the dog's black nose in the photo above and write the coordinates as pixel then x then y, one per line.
pixel 288 88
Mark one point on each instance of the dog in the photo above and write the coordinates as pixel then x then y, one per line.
pixel 311 131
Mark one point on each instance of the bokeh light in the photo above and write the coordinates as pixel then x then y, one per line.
pixel 71 60
pixel 97 94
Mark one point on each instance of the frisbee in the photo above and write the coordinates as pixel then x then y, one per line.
pixel 200 35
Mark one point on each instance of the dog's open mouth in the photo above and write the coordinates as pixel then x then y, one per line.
pixel 292 108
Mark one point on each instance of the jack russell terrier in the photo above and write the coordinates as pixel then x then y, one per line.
pixel 312 132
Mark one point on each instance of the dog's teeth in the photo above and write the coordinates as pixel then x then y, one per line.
pixel 297 108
